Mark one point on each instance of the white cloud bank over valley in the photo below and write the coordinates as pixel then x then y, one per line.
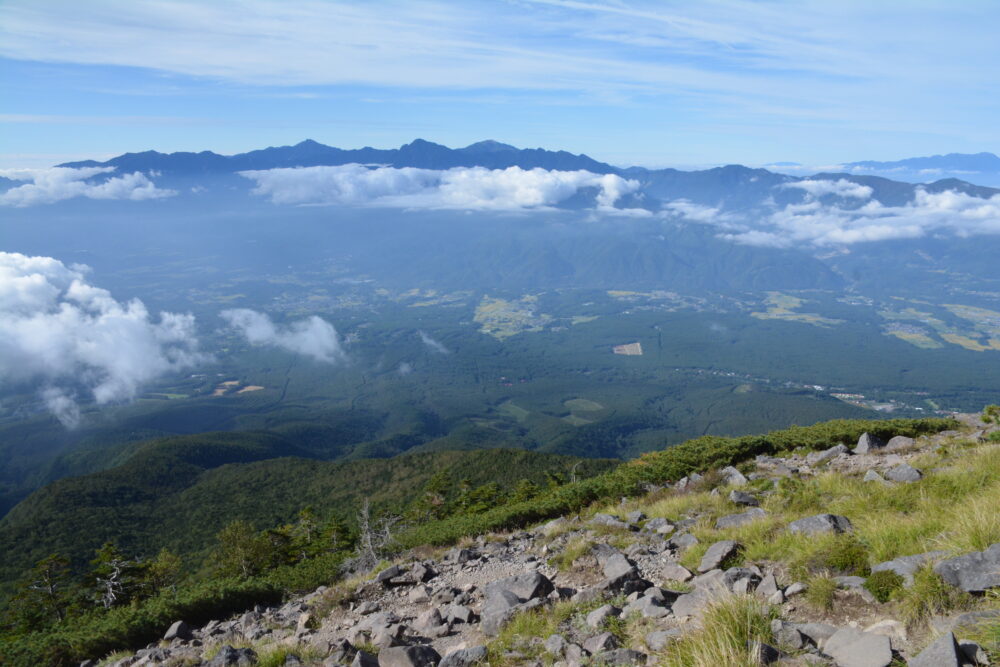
pixel 54 184
pixel 312 337
pixel 67 335
pixel 468 188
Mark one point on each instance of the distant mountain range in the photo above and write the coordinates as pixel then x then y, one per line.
pixel 979 168
pixel 731 187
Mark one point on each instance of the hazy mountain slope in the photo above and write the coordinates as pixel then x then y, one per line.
pixel 179 492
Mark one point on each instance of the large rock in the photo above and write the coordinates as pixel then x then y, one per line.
pixel 600 643
pixel 526 586
pixel 742 498
pixel 907 566
pixel 647 607
pixel 420 655
pixel 596 618
pixel 229 657
pixel 898 443
pixel 682 541
pixel 734 520
pixel 903 473
pixel 816 458
pixel 497 609
pixel 179 630
pixel 853 648
pixel 821 523
pixel 364 659
pixel 675 572
pixel 608 521
pixel 733 476
pixel 976 572
pixel 944 652
pixel 868 443
pixel 717 555
pixel 617 565
pixel 659 525
pixel 464 657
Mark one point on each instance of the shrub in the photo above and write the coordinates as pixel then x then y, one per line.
pixel 821 592
pixel 929 595
pixel 730 631
pixel 883 584
pixel 847 555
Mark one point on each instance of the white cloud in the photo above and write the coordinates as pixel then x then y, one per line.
pixel 815 224
pixel 475 188
pixel 312 337
pixel 57 183
pixel 432 344
pixel 840 188
pixel 64 334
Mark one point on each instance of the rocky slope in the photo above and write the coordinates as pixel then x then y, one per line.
pixel 635 584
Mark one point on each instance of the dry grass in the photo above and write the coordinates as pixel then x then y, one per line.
pixel 731 627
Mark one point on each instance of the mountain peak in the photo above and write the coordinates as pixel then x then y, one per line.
pixel 489 146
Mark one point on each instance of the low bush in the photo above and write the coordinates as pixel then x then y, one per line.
pixel 883 584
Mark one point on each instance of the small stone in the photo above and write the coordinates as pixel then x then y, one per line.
pixel 660 639
pixel 555 645
pixel 817 458
pixel 675 572
pixel 873 476
pixel 660 526
pixel 899 442
pixel 635 517
pixel 795 589
pixel 733 476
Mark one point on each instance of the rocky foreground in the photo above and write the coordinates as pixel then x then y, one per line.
pixel 611 589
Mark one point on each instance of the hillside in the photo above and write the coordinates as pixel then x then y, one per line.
pixel 180 492
pixel 659 493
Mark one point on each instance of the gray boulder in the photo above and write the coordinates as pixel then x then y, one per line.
pixel 868 443
pixel 659 639
pixel 742 498
pixel 419 655
pixel 821 523
pixel 682 541
pixel 555 645
pixel 976 572
pixel 179 630
pixel 872 476
pixel 787 635
pixel 464 657
pixel 608 521
pixel 497 609
pixel 817 458
pixel 734 520
pixel 853 648
pixel 717 554
pixel 620 656
pixel 733 476
pixel 907 566
pixel 675 572
pixel 647 607
pixel 617 565
pixel 903 473
pixel 944 652
pixel 227 656
pixel 600 643
pixel 364 659
pixel 596 618
pixel 659 525
pixel 526 586
pixel 899 442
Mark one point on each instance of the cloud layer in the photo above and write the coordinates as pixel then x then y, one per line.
pixel 60 331
pixel 817 224
pixel 311 337
pixel 54 184
pixel 475 188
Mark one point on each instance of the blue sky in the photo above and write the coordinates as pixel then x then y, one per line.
pixel 652 83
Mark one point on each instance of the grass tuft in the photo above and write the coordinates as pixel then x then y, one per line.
pixel 731 627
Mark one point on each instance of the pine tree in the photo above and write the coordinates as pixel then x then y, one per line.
pixel 44 597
